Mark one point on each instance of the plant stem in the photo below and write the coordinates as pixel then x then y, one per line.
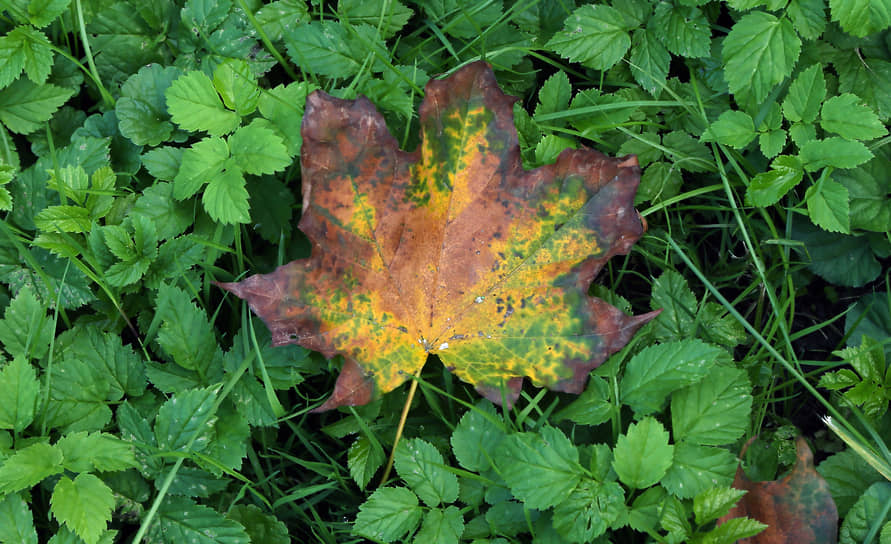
pixel 399 428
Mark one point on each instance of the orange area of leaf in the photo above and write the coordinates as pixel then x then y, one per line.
pixel 452 249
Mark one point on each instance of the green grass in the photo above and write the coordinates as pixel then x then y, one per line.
pixel 150 149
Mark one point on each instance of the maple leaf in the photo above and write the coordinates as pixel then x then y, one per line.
pixel 796 508
pixel 453 249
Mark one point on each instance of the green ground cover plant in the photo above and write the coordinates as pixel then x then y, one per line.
pixel 149 149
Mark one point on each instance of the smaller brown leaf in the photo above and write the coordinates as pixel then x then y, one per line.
pixel 797 509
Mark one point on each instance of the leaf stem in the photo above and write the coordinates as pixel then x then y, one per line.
pixel 401 426
pixel 106 96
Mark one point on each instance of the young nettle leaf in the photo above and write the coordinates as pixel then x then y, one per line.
pixel 734 128
pixel 181 520
pixel 388 515
pixel 714 503
pixel 88 452
pixel 282 106
pixel 364 459
pixel 593 406
pixel 870 387
pixel 649 60
pixel 389 16
pixel 441 526
pixel 848 117
pixel 767 188
pixel 28 466
pixel 589 510
pixel 596 36
pixel 276 16
pixel 827 205
pixel 194 105
pixel 805 95
pixel 714 411
pixel 759 52
pixel 19 389
pixel 541 468
pixel 833 151
pixel 477 436
pixel 25 48
pixel 18 523
pixel 185 421
pixel 643 455
pixel 698 468
pixel 136 253
pixel 421 466
pixel 237 86
pixel 186 334
pixel 682 28
pixel 25 330
pixel 328 48
pixel 453 249
pixel 25 105
pixel 860 17
pixel 84 505
pixel 554 95
pixel 657 371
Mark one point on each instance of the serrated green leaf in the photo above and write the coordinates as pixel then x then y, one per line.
pixel 231 437
pixel 142 108
pixel 861 17
pixel 25 106
pixel 201 163
pixel 283 107
pixel 19 390
pixel 237 85
pixel 191 482
pixel 157 204
pixel 181 520
pixel 25 330
pixel 733 530
pixel 772 142
pixel 698 468
pixel 657 371
pixel 659 182
pixel 388 515
pixel 833 151
pixel 185 420
pixel 194 105
pixel 540 468
pixel 79 395
pixel 643 455
pixel 421 466
pixel 28 466
pixel 684 30
pixel 868 79
pixel 63 219
pixel 688 153
pixel 734 128
pixel 673 296
pixel 714 411
pixel 84 505
pixel 25 47
pixel 389 16
pixel 463 18
pixel 554 95
pixel 441 527
pixel 87 452
pixel 16 522
pixel 589 510
pixel 827 205
pixel 848 117
pixel 364 459
pixel 767 188
pixel 226 198
pixel 759 52
pixel 323 47
pixel 808 17
pixel 258 150
pixel 592 407
pixel 838 379
pixel 275 16
pixel 868 510
pixel 714 503
pixel 186 334
pixel 596 36
pixel 204 16
pixel 550 147
pixel 649 60
pixel 476 436
pixel 43 12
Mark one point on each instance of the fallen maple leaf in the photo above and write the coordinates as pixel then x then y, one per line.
pixel 453 249
pixel 797 509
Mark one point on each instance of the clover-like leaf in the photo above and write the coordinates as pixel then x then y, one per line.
pixel 453 249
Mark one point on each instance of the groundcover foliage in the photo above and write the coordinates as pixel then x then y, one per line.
pixel 148 149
